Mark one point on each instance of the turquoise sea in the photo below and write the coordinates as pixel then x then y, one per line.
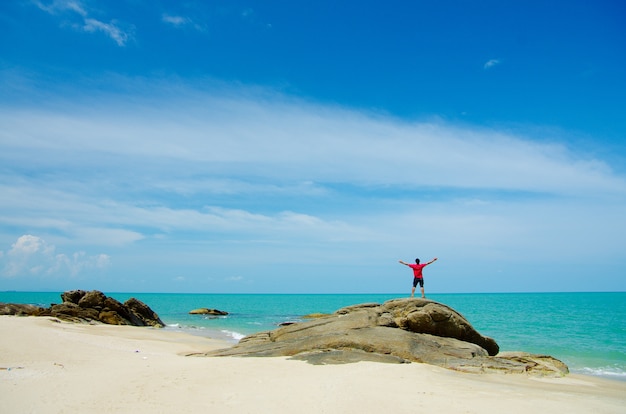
pixel 587 331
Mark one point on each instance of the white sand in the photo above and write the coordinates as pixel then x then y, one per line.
pixel 52 367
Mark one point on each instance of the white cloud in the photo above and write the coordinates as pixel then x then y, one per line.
pixel 88 24
pixel 176 20
pixel 31 255
pixel 491 63
pixel 27 245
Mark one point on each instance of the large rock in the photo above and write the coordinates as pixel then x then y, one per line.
pixel 83 306
pixel 423 316
pixel 401 330
pixel 143 312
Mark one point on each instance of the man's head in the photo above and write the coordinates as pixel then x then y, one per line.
pixel 417 261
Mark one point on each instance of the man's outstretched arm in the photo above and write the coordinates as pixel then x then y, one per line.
pixel 432 261
pixel 400 261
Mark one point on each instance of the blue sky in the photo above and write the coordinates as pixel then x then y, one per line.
pixel 288 147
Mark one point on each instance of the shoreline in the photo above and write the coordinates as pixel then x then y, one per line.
pixel 589 345
pixel 52 367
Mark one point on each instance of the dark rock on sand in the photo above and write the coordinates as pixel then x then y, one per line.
pixel 93 306
pixel 20 309
pixel 145 314
pixel 398 331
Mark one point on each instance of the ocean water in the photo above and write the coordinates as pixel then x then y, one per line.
pixel 587 331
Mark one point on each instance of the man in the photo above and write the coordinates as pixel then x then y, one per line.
pixel 417 274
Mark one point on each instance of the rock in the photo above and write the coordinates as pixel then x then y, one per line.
pixel 20 310
pixel 315 315
pixel 94 299
pixel 72 296
pixel 112 318
pixel 93 306
pixel 512 363
pixel 424 316
pixel 72 312
pixel 146 315
pixel 207 311
pixel 113 305
pixel 544 365
pixel 401 330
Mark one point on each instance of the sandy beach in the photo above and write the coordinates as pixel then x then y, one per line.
pixel 47 366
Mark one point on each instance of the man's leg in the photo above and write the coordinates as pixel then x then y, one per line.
pixel 413 291
pixel 422 289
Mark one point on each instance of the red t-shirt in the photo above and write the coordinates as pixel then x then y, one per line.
pixel 417 270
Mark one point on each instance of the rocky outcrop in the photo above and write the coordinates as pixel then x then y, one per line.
pixel 424 316
pixel 398 331
pixel 20 309
pixel 207 311
pixel 82 306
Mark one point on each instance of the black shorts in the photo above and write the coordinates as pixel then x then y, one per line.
pixel 417 280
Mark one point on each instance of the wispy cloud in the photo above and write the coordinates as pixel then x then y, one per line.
pixel 178 172
pixel 110 29
pixel 491 63
pixel 176 20
pixel 307 143
pixel 59 6
pixel 181 22
pixel 73 9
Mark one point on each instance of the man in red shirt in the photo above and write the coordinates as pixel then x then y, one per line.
pixel 417 274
